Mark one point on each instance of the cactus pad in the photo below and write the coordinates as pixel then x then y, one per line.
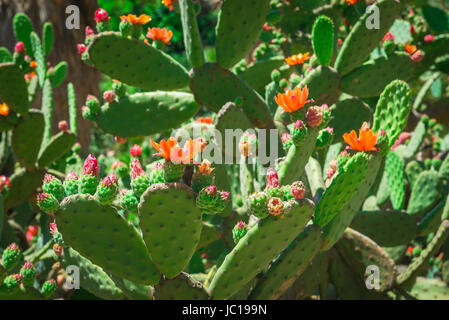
pixel 13 89
pixel 394 169
pixel 171 225
pixel 386 228
pixel 257 249
pixel 23 184
pixel 146 113
pixel 82 221
pixel 425 193
pixel 323 39
pixel 183 287
pixel 393 109
pixel 57 147
pixel 239 26
pixel 135 63
pixel 289 265
pixel 213 87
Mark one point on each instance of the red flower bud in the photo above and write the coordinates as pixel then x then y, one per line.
pixel 109 96
pixel 136 150
pixel 136 169
pixel 63 126
pixel 19 47
pixel 272 179
pixel 101 15
pixel 90 166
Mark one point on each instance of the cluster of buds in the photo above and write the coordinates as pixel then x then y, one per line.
pixel 210 200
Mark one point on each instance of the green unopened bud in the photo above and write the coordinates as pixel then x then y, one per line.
pixel 49 288
pixel 276 75
pixel 28 273
pixel 129 201
pixel 239 231
pixel 11 256
pixel 47 203
pixel 257 203
pixel 53 185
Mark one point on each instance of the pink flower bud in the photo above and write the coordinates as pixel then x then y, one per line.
pixel 429 37
pixel 272 179
pixel 48 178
pixel 109 96
pixel 53 228
pixel 298 190
pixel 417 56
pixel 19 47
pixel 211 190
pixel 285 137
pixel 224 195
pixel 63 126
pixel 89 32
pixel 329 173
pixel 101 15
pixel 241 225
pixel 71 176
pixel 388 37
pixel 135 150
pixel 158 165
pixel 314 116
pixel 109 180
pixel 90 166
pixel 81 48
pixel 28 265
pixel 136 169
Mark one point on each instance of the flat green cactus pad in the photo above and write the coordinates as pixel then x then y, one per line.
pixel 239 26
pixel 258 75
pixel 386 228
pixel 322 83
pixel 425 193
pixel 370 78
pixel 57 147
pixel 323 39
pixel 347 115
pixel 214 86
pixel 121 250
pixel 289 265
pixel 92 277
pixel 393 109
pixel 394 169
pixel 341 189
pixel 292 167
pixel 412 171
pixel 132 290
pixel 135 63
pixel 257 249
pixel 192 37
pixel 23 27
pixel 23 293
pixel 27 138
pixel 171 225
pixel 335 228
pixel 361 40
pixel 183 287
pixel 13 89
pixel 430 289
pixel 310 279
pixel 147 113
pixel 231 117
pixel 430 222
pixel 418 136
pixel 23 184
pixel 348 285
pixel 360 252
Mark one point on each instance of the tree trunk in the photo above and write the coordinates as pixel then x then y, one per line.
pixel 84 78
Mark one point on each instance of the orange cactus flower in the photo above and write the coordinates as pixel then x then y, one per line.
pixel 4 109
pixel 161 34
pixel 205 168
pixel 293 100
pixel 410 48
pixel 365 142
pixel 297 59
pixel 352 2
pixel 168 3
pixel 206 120
pixel 33 64
pixel 133 19
pixel 171 150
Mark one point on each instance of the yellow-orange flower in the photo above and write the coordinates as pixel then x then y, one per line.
pixel 365 142
pixel 297 59
pixel 4 109
pixel 33 64
pixel 205 168
pixel 161 34
pixel 168 3
pixel 133 19
pixel 410 48
pixel 293 100
pixel 171 150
